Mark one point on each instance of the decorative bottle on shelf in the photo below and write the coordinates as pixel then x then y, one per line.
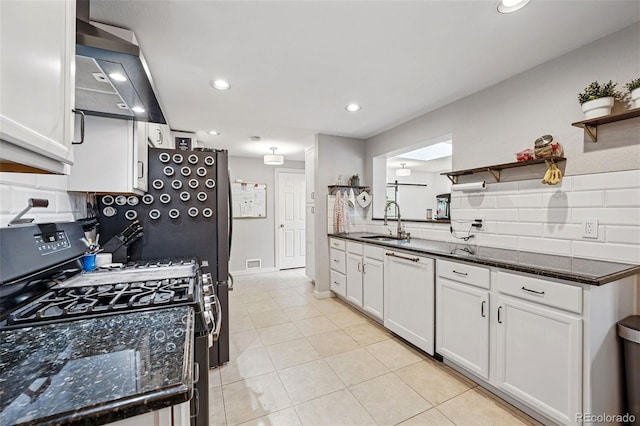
pixel 354 181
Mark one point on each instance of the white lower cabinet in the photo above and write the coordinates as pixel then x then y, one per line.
pixel 462 332
pixel 178 415
pixel 409 298
pixel 539 357
pixel 373 284
pixel 365 278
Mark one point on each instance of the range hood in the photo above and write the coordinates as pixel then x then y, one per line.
pixel 112 79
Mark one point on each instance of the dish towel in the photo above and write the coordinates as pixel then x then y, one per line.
pixel 339 216
pixel 352 198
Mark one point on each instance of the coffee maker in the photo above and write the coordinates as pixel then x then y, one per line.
pixel 443 202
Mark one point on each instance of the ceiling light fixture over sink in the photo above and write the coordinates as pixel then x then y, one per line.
pixel 403 171
pixel 273 159
pixel 220 85
pixel 353 107
pixel 509 6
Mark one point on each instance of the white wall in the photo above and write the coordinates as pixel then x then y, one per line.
pixel 334 155
pixel 17 188
pixel 255 238
pixel 490 126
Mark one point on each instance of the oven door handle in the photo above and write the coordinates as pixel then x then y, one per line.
pixel 216 333
pixel 230 282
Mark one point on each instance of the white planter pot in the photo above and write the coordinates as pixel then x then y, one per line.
pixel 597 107
pixel 635 97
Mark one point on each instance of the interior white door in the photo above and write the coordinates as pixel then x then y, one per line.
pixel 291 226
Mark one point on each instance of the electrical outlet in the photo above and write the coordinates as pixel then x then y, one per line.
pixel 590 228
pixel 478 224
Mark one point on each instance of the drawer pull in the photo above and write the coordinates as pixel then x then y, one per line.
pixel 336 283
pixel 412 259
pixel 499 309
pixel 482 309
pixel 336 260
pixel 359 267
pixel 539 293
pixel 464 274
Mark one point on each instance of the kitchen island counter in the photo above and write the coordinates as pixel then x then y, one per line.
pixel 579 270
pixel 97 370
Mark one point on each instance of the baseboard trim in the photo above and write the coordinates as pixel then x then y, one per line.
pixel 322 294
pixel 253 272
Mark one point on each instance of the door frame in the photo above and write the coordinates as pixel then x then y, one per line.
pixel 276 202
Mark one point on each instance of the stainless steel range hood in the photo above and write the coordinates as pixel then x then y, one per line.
pixel 102 60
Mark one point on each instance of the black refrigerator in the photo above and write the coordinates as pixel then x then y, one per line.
pixel 186 213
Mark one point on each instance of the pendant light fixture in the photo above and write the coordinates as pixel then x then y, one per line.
pixel 273 159
pixel 403 171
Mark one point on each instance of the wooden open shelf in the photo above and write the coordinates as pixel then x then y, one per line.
pixel 495 170
pixel 357 189
pixel 591 125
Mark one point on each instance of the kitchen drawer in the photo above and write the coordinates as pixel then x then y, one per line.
pixel 338 261
pixel 355 248
pixel 373 252
pixel 335 243
pixel 563 296
pixel 338 283
pixel 464 273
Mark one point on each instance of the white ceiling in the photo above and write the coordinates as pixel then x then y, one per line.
pixel 294 65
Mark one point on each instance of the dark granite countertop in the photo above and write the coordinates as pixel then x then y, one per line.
pixel 580 270
pixel 98 370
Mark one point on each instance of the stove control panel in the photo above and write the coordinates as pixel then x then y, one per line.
pixel 53 242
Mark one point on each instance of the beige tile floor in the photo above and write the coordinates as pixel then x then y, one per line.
pixel 296 360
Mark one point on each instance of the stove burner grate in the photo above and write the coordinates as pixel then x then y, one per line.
pixel 68 302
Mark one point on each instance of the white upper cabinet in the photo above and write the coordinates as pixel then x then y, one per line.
pixel 113 157
pixel 159 136
pixel 37 83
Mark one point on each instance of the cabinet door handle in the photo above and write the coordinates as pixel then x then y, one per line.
pixel 363 265
pixel 336 260
pixel 359 267
pixel 81 141
pixel 499 309
pixel 336 283
pixel 464 274
pixel 313 210
pixel 484 302
pixel 160 137
pixel 313 195
pixel 412 259
pixel 539 293
pixel 140 170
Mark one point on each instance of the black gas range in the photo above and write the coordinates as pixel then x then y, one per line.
pixel 42 285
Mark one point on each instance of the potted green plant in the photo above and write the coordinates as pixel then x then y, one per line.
pixel 355 180
pixel 597 100
pixel 634 89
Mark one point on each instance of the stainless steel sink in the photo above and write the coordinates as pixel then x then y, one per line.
pixel 379 238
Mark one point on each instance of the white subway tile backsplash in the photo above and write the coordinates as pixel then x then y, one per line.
pixel 614 180
pixel 608 216
pixel 536 185
pixel 477 201
pixel 21 179
pixel 545 245
pixel 464 214
pixel 507 215
pixel 544 215
pixel 515 201
pixel 514 228
pixel 569 231
pixel 494 240
pixel 573 199
pixel 623 234
pixel 625 253
pixel 17 188
pixel 54 182
pixel 622 198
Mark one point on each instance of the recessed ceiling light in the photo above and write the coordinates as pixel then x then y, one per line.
pixel 508 6
pixel 117 76
pixel 220 85
pixel 353 107
pixel 213 133
pixel 138 109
